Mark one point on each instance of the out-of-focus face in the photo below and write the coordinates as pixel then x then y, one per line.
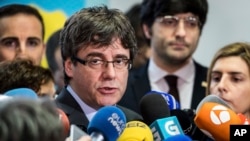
pixel 21 37
pixel 230 80
pixel 173 41
pixel 103 85
pixel 47 89
pixel 58 74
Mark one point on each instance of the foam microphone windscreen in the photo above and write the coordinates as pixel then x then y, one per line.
pixel 65 121
pixel 109 122
pixel 136 131
pixel 184 120
pixel 152 107
pixel 171 101
pixel 214 120
pixel 211 98
pixel 22 93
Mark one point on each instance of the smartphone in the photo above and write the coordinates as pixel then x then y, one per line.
pixel 76 133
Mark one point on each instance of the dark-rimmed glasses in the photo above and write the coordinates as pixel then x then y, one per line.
pixel 119 63
pixel 190 22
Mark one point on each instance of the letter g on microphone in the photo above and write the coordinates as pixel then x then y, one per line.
pixel 172 128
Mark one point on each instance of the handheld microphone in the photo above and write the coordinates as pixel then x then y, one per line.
pixel 153 106
pixel 136 131
pixel 22 93
pixel 184 120
pixel 214 120
pixel 155 112
pixel 172 103
pixel 107 125
pixel 211 98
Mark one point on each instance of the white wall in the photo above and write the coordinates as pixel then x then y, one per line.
pixel 228 21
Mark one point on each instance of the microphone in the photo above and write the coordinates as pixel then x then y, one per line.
pixel 211 98
pixel 179 138
pixel 22 93
pixel 65 121
pixel 107 124
pixel 184 120
pixel 153 106
pixel 155 112
pixel 171 101
pixel 214 120
pixel 170 104
pixel 136 131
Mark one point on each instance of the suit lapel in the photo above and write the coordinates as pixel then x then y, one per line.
pixel 68 104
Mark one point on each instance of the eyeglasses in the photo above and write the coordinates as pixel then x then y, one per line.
pixel 119 63
pixel 190 22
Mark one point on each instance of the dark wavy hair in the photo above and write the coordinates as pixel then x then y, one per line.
pixel 96 26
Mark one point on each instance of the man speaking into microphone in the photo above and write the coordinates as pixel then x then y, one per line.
pixel 232 82
pixel 98 46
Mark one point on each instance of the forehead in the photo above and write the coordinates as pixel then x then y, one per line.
pixel 20 23
pixel 114 48
pixel 232 63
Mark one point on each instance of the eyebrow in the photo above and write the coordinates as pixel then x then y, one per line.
pixel 231 72
pixel 98 54
pixel 16 39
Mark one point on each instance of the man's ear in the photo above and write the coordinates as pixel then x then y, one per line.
pixel 68 67
pixel 147 31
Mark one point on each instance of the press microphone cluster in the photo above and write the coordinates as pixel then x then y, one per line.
pixel 155 111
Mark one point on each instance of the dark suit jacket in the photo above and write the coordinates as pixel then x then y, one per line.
pixel 138 85
pixel 75 114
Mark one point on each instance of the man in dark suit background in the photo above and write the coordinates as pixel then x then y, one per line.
pixel 97 46
pixel 173 29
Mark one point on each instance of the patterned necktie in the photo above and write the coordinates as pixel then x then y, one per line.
pixel 172 83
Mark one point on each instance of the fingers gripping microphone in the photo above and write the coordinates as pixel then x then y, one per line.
pixel 136 131
pixel 214 120
pixel 107 125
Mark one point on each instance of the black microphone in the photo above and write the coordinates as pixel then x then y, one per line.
pixel 155 111
pixel 184 120
pixel 153 106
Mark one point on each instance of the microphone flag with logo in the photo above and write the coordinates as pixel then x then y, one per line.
pixel 136 131
pixel 107 124
pixel 214 120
